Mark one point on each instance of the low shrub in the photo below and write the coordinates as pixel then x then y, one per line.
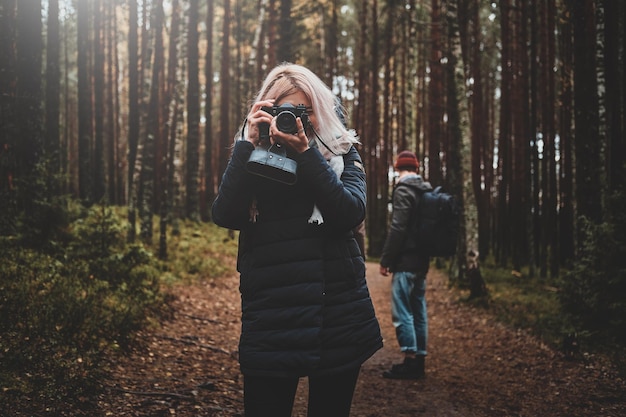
pixel 62 310
pixel 527 303
pixel 200 250
pixel 593 292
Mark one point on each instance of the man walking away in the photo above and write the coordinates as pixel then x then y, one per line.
pixel 409 267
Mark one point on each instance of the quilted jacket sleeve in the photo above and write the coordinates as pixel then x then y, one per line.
pixel 342 200
pixel 231 208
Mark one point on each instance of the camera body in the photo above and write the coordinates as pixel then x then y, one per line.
pixel 272 162
pixel 286 115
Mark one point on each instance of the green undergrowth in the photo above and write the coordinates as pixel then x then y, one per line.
pixel 69 301
pixel 199 250
pixel 536 305
pixel 527 303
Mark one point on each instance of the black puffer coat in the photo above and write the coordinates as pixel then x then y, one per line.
pixel 306 308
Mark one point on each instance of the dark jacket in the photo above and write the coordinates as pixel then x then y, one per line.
pixel 400 252
pixel 306 308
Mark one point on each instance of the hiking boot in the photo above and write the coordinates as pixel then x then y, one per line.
pixel 411 368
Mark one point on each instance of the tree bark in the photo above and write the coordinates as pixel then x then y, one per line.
pixel 588 162
pixel 193 116
pixel 133 115
pixel 435 97
pixel 566 122
pixel 53 88
pixel 148 162
pixel 210 176
pixel 85 106
pixel 285 32
pixel 98 100
pixel 225 128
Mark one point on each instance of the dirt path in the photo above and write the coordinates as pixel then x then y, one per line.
pixel 476 366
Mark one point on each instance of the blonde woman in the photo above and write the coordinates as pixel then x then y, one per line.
pixel 306 309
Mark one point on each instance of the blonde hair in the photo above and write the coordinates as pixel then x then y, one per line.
pixel 288 78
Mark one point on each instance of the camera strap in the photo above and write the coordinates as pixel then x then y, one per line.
pixel 322 142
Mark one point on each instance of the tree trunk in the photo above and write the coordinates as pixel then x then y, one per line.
pixel 98 97
pixel 587 146
pixel 193 116
pixel 148 163
pixel 519 137
pixel 285 32
pixel 225 128
pixel 478 126
pixel 133 115
pixel 174 100
pixel 566 122
pixel 115 177
pixel 255 62
pixel 85 112
pixel 533 211
pixel 421 91
pixel 435 97
pixel 615 92
pixel 378 158
pixel 460 159
pixel 386 134
pixel 504 154
pixel 210 178
pixel 8 113
pixel 53 88
pixel 332 44
pixel 550 63
pixel 272 37
pixel 29 138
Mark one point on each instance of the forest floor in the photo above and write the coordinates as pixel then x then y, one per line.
pixel 476 366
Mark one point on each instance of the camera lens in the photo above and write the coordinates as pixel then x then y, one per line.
pixel 286 122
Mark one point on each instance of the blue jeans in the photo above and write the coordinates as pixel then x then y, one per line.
pixel 408 311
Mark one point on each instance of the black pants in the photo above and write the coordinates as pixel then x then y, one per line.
pixel 329 396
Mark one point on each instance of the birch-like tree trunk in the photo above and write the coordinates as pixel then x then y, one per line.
pixel 459 165
pixel 255 61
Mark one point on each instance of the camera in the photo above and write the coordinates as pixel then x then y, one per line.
pixel 286 115
pixel 272 162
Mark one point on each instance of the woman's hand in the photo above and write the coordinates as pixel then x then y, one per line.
pixel 298 141
pixel 256 118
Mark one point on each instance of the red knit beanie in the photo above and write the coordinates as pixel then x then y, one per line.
pixel 406 161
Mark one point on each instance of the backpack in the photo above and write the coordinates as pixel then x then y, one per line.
pixel 437 229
